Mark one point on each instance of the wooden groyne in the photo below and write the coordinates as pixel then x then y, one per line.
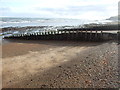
pixel 93 33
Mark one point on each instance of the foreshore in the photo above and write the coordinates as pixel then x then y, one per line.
pixel 60 64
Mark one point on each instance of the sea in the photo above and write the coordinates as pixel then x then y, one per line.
pixel 22 22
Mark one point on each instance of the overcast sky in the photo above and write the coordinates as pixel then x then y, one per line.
pixel 79 9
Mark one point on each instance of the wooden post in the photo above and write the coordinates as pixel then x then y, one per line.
pixel 81 35
pixel 72 34
pixel 101 35
pixel 76 34
pixel 96 36
pixel 54 35
pixel 86 35
pixel 69 35
pixel 64 35
pixel 58 35
pixel 90 35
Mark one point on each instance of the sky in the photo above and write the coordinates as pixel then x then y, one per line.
pixel 76 9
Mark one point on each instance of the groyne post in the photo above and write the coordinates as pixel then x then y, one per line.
pixel 96 35
pixel 90 39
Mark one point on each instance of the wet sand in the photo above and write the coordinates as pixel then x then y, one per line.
pixel 60 64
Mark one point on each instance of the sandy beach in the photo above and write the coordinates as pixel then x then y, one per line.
pixel 60 64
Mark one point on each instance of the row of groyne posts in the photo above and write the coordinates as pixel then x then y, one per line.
pixel 85 34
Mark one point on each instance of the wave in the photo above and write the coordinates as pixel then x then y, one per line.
pixel 20 22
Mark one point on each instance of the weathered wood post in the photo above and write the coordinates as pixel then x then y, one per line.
pixel 59 35
pixel 90 34
pixel 69 35
pixel 96 36
pixel 45 35
pixel 31 36
pixel 41 35
pixel 77 34
pixel 101 36
pixel 86 35
pixel 36 35
pixel 68 32
pixel 51 35
pixel 62 35
pixel 54 35
pixel 65 35
pixel 48 36
pixel 73 32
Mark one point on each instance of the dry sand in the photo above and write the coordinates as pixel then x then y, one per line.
pixel 60 64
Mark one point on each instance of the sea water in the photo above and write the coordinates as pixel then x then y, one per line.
pixel 22 22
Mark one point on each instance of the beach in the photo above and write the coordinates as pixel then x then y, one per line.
pixel 59 64
pixel 59 44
